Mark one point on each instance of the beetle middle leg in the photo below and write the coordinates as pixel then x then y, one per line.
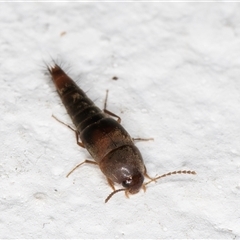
pixel 79 143
pixel 86 161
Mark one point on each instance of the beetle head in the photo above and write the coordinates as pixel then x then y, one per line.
pixel 133 181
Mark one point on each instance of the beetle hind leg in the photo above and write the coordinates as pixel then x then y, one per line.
pixel 108 112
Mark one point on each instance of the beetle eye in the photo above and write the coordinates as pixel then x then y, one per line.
pixel 127 182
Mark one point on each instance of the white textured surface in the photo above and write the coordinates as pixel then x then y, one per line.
pixel 178 66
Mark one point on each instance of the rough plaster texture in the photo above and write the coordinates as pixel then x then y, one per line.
pixel 178 69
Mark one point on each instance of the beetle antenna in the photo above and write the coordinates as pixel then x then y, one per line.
pixel 170 173
pixel 112 193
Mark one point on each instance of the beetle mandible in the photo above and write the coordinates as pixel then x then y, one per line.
pixel 110 145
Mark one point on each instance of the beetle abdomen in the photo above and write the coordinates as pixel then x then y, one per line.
pixel 79 107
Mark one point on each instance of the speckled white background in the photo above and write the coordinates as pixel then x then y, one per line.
pixel 178 69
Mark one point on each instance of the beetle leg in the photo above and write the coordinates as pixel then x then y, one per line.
pixel 108 112
pixel 113 115
pixel 126 193
pixel 79 143
pixel 86 161
pixel 142 139
pixel 110 182
pixel 147 176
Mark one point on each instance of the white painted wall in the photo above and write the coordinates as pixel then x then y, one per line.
pixel 178 69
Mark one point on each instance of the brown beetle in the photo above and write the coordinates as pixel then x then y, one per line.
pixel 106 140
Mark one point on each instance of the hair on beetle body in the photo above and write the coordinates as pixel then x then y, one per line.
pixel 109 144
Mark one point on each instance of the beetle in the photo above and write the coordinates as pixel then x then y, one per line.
pixel 110 145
